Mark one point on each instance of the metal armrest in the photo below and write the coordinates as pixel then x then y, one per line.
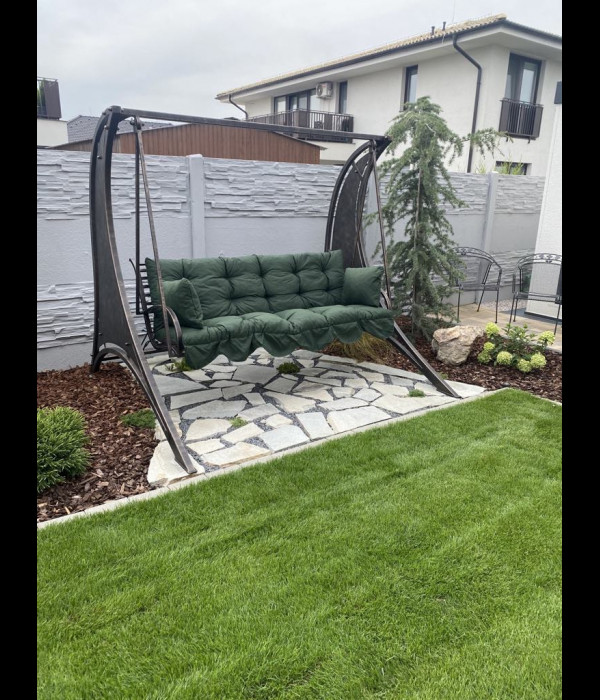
pixel 176 325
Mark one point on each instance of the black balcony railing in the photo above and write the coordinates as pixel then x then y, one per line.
pixel 328 121
pixel 520 119
pixel 48 99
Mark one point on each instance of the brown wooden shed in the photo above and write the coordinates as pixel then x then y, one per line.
pixel 213 141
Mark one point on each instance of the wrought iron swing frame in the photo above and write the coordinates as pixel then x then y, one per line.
pixel 115 333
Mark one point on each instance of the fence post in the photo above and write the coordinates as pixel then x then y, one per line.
pixel 490 210
pixel 196 188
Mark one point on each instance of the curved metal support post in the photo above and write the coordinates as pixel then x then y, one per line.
pixel 114 328
pixel 148 384
pixel 402 343
pixel 344 220
pixel 344 232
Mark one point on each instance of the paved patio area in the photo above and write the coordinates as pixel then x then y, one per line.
pixel 329 396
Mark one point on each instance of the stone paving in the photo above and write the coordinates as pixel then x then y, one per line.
pixel 276 412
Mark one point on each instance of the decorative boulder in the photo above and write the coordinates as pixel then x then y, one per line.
pixel 453 345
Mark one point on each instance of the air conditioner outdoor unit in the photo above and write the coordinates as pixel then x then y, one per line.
pixel 324 90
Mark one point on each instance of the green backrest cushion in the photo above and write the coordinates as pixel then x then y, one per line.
pixel 268 283
pixel 181 296
pixel 362 286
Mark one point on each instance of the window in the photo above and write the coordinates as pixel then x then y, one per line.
pixel 343 98
pixel 507 168
pixel 522 79
pixel 410 84
pixel 295 101
pixel 279 104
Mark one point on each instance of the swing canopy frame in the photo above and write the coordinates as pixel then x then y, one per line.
pixel 115 332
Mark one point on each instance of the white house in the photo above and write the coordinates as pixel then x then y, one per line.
pixel 51 129
pixel 549 236
pixel 489 72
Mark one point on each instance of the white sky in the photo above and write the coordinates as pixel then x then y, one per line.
pixel 176 55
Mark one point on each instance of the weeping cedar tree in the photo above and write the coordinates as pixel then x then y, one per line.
pixel 418 190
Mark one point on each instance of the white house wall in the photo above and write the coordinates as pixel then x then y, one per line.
pixel 375 98
pixel 51 132
pixel 549 236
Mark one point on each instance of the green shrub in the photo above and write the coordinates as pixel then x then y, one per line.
pixel 60 445
pixel 504 358
pixel 288 368
pixel 484 357
pixel 537 360
pixel 178 366
pixel 524 365
pixel 140 419
pixel 416 392
pixel 516 348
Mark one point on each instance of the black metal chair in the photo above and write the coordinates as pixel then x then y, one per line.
pixel 538 277
pixel 481 274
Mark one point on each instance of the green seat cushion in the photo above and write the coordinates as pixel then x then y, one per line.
pixel 362 285
pixel 236 337
pixel 279 302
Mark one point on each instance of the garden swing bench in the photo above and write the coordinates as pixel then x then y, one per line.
pixel 233 305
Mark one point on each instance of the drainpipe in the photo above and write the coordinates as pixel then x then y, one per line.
pixel 476 106
pixel 236 105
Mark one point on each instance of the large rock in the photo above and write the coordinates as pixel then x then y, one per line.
pixel 453 345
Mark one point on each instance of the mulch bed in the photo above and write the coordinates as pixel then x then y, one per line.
pixel 546 383
pixel 120 455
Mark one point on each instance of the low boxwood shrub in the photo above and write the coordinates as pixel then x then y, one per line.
pixel 61 441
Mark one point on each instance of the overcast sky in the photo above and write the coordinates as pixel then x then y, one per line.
pixel 176 55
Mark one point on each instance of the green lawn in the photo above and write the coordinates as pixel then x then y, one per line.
pixel 420 560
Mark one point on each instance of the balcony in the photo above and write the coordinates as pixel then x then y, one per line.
pixel 328 121
pixel 520 119
pixel 48 99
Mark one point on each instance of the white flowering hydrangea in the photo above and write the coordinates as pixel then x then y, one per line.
pixel 504 358
pixel 524 365
pixel 491 330
pixel 546 338
pixel 488 347
pixel 537 360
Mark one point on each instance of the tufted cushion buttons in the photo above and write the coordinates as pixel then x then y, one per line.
pixel 261 283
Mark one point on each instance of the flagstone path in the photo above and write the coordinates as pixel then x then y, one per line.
pixel 327 397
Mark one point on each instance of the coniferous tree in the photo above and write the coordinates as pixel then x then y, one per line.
pixel 418 191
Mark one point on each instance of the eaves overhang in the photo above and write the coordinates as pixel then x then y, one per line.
pixel 416 45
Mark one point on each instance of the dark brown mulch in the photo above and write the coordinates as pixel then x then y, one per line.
pixel 546 383
pixel 120 455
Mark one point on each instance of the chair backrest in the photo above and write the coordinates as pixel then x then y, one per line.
pixel 477 264
pixel 540 275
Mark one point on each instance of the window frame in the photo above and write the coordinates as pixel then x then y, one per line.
pixel 410 73
pixel 288 97
pixel 516 89
pixel 513 165
pixel 339 104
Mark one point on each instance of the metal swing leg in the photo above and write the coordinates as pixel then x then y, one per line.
pixel 114 328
